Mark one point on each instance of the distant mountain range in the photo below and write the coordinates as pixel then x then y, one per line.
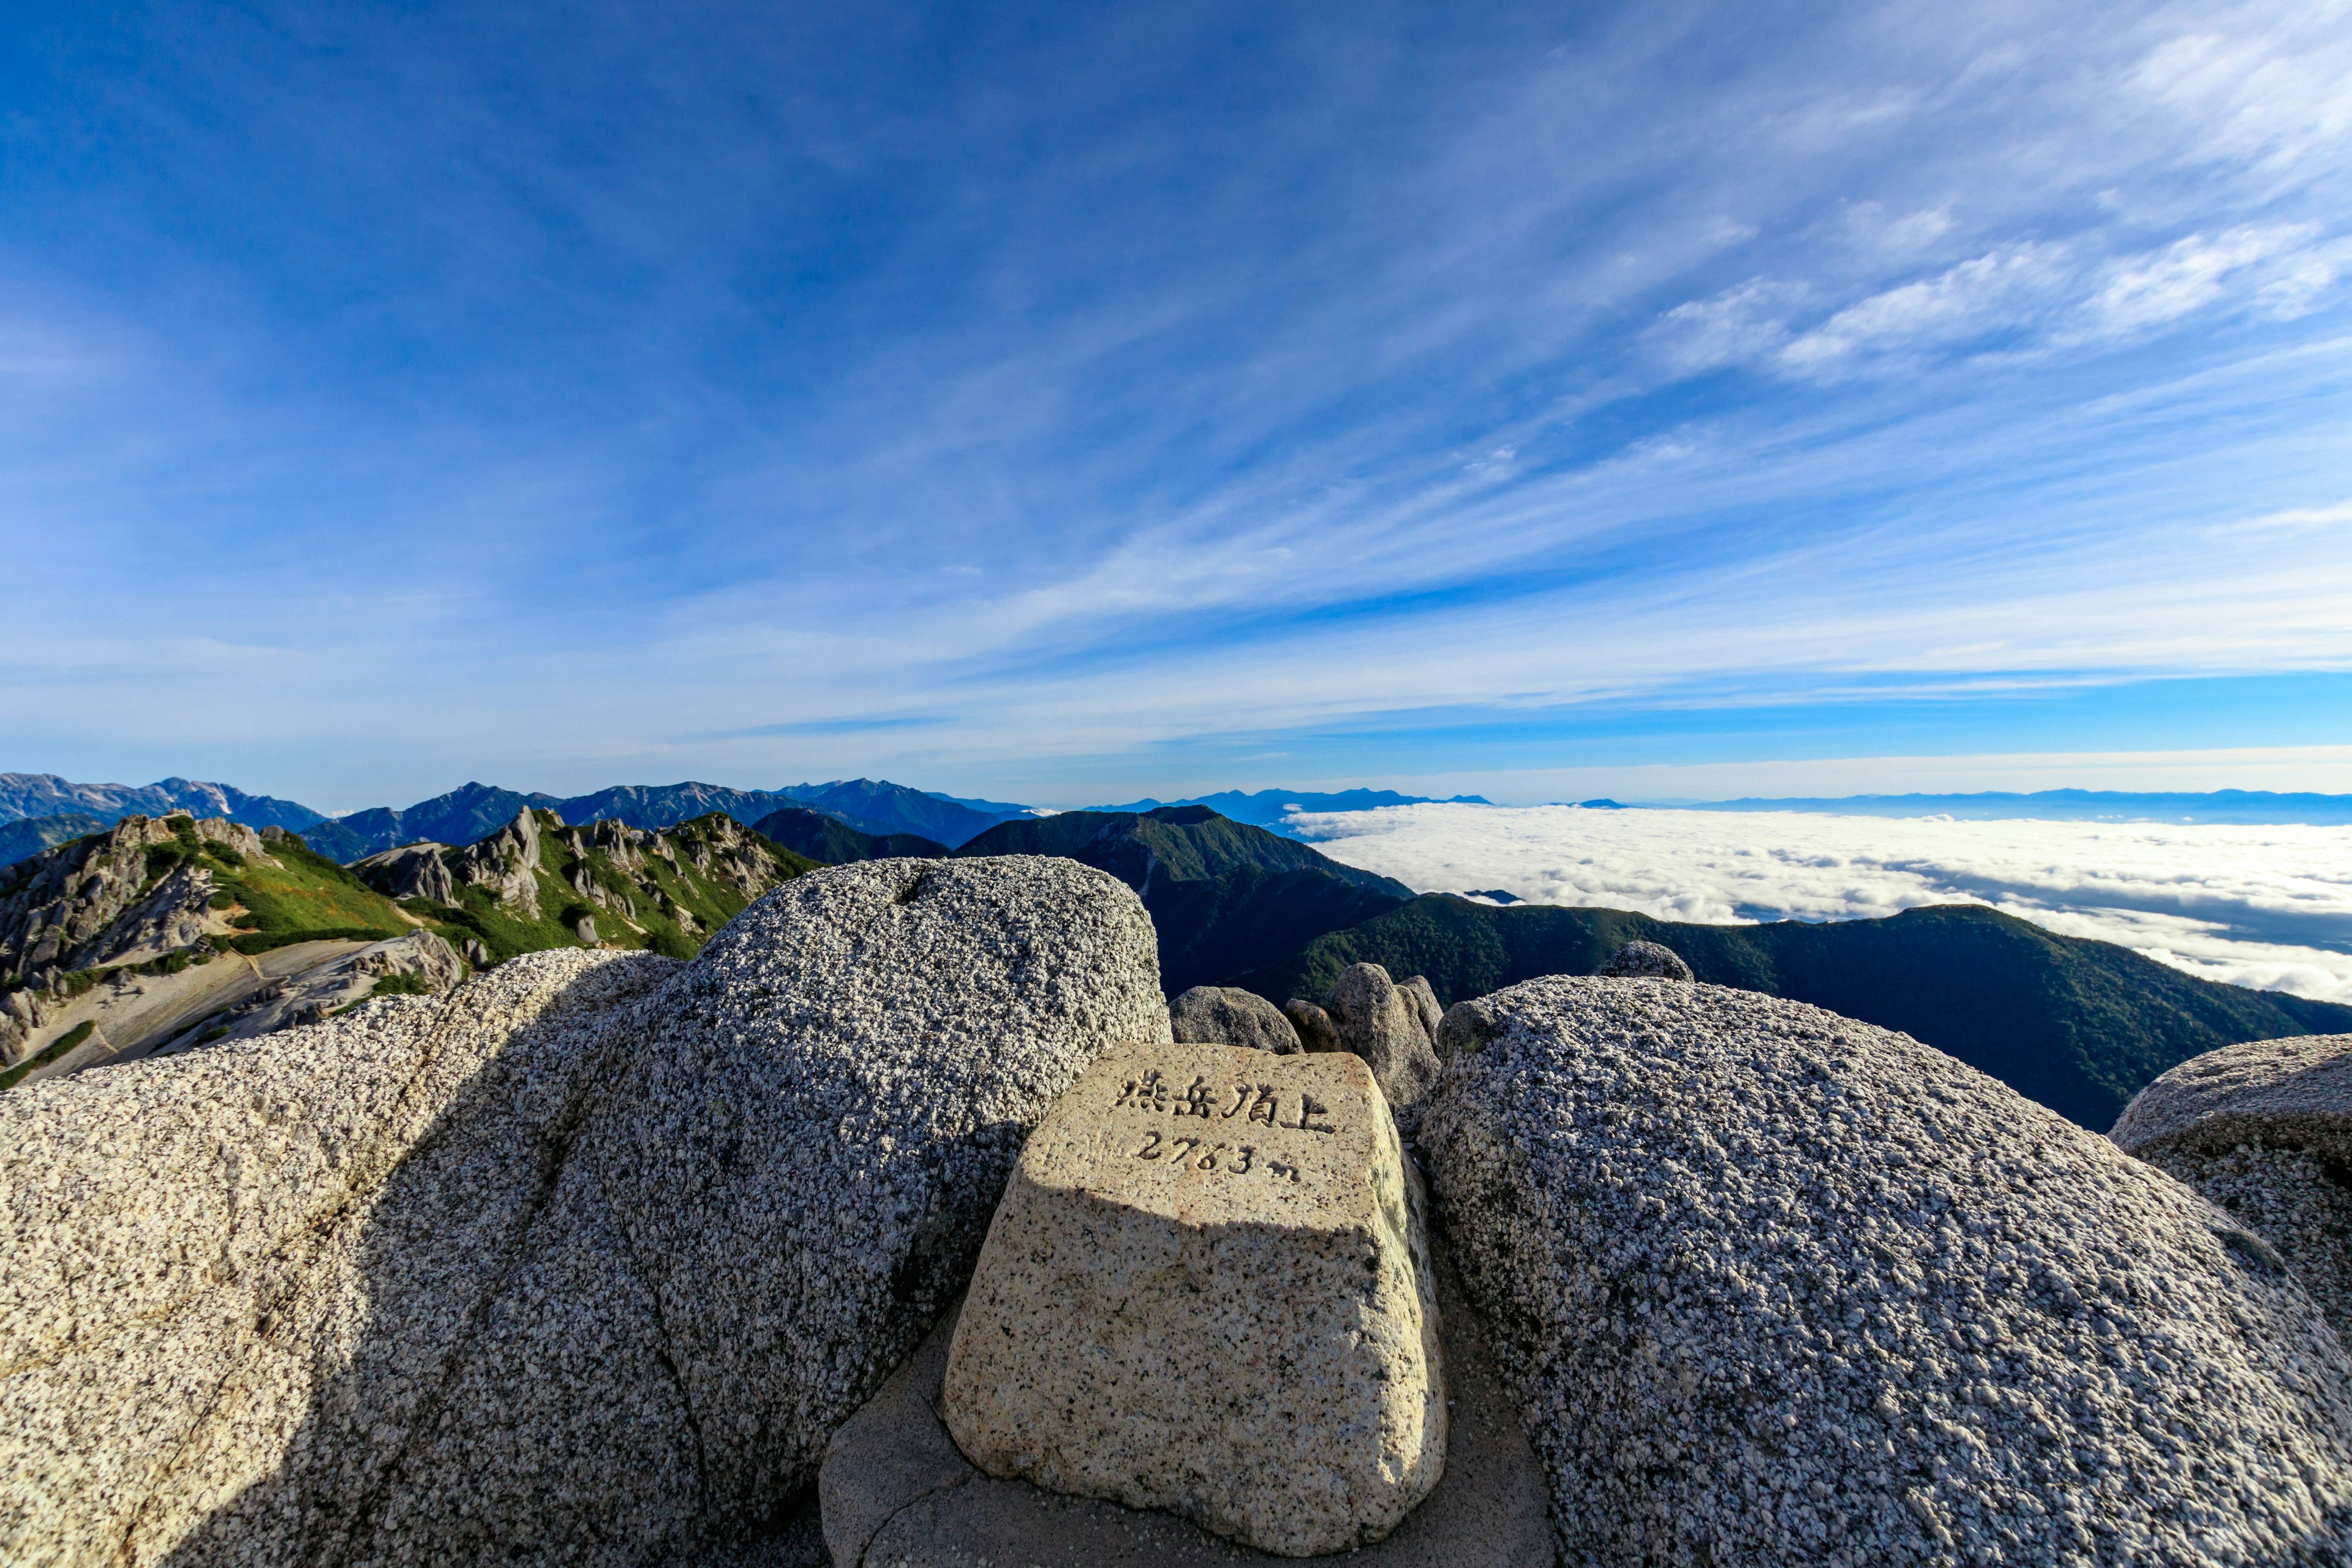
pixel 2222 805
pixel 2078 1025
pixel 475 810
pixel 28 796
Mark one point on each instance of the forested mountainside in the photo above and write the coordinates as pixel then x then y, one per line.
pixel 2080 1026
pixel 1222 894
pixel 830 841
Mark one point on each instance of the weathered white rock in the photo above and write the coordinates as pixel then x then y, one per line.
pixel 805 1154
pixel 1646 961
pixel 1227 1015
pixel 1207 1290
pixel 1774 1286
pixel 237 1278
pixel 505 863
pixel 580 1264
pixel 412 871
pixel 1424 998
pixel 2264 1130
pixel 1379 1023
pixel 324 989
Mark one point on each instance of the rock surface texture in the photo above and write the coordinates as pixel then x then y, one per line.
pixel 2264 1130
pixel 580 1264
pixel 1208 1291
pixel 1225 1015
pixel 1379 1021
pixel 1315 1031
pixel 240 1281
pixel 821 1121
pixel 1424 998
pixel 410 871
pixel 1645 960
pixel 898 1494
pixel 1773 1287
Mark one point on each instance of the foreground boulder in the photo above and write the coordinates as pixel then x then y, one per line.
pixel 1381 1021
pixel 1226 1015
pixel 819 1125
pixel 1774 1286
pixel 1208 1291
pixel 239 1281
pixel 2264 1130
pixel 582 1263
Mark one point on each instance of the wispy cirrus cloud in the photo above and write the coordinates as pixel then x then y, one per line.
pixel 1099 385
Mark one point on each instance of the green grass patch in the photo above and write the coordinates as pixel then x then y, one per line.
pixel 50 1053
pixel 305 897
pixel 402 986
pixel 266 941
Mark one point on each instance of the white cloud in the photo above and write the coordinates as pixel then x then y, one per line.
pixel 1990 293
pixel 2275 95
pixel 1741 325
pixel 2267 906
pixel 2202 270
pixel 2292 520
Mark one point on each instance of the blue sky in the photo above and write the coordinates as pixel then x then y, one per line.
pixel 1069 403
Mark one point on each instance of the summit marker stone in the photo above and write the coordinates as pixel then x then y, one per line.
pixel 1208 1290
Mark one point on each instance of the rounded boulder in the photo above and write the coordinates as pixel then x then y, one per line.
pixel 1775 1287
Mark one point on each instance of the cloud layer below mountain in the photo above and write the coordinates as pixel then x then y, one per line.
pixel 2266 907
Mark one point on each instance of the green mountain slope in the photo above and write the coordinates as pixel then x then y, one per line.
pixel 1180 843
pixel 833 842
pixel 1222 894
pixel 666 890
pixel 2080 1026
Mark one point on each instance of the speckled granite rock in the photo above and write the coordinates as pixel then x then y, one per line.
pixel 580 1264
pixel 1315 1031
pixel 805 1155
pixel 1424 998
pixel 1380 1023
pixel 898 1494
pixel 2264 1128
pixel 1774 1286
pixel 1207 1290
pixel 1646 961
pixel 237 1279
pixel 1227 1015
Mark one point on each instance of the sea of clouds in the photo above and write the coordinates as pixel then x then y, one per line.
pixel 2268 907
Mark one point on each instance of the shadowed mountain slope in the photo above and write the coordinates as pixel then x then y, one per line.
pixel 828 840
pixel 29 835
pixel 1222 894
pixel 881 807
pixel 2080 1026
